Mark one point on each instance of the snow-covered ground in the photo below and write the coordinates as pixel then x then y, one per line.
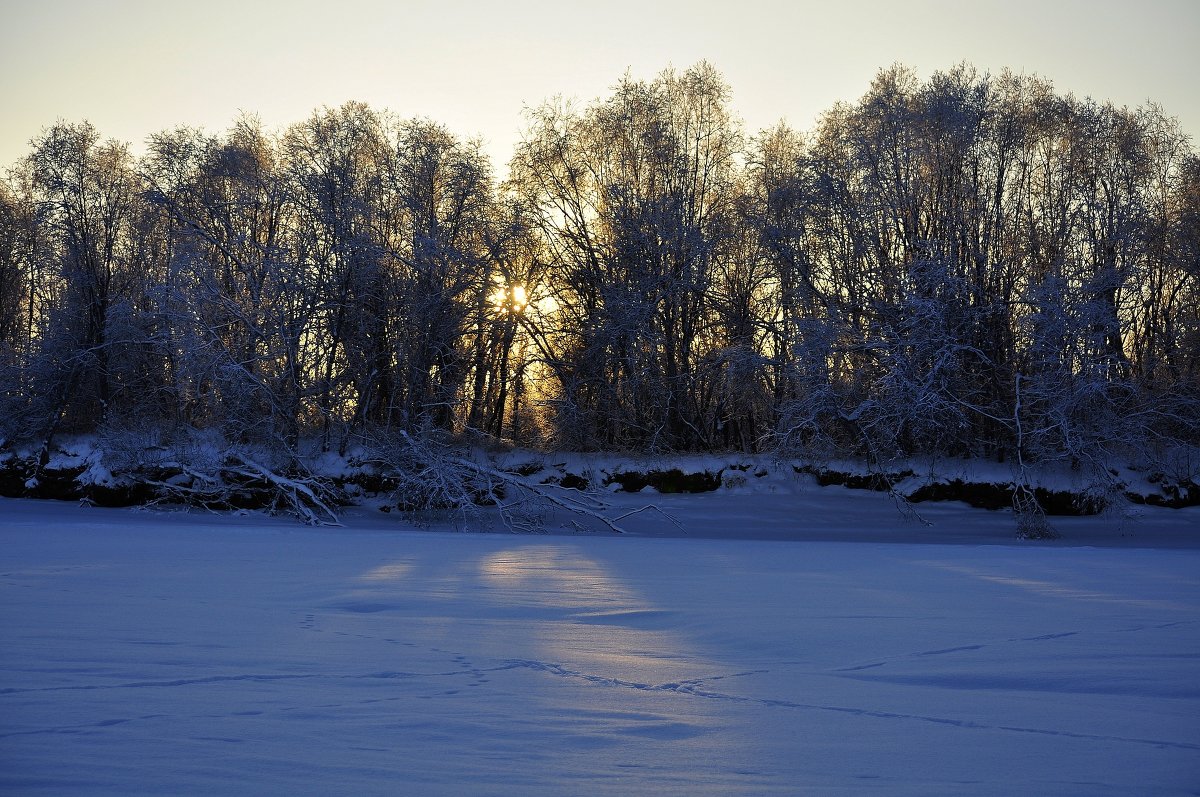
pixel 768 644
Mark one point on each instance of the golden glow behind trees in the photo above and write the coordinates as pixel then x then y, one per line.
pixel 633 199
pixel 645 278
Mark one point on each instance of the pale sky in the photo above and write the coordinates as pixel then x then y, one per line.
pixel 135 67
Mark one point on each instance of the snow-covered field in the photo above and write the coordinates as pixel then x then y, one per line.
pixel 808 643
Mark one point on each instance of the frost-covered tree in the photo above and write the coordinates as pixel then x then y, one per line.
pixel 440 189
pixel 234 304
pixel 334 163
pixel 634 199
pixel 970 264
pixel 86 194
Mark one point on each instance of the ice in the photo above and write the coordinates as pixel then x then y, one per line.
pixel 771 644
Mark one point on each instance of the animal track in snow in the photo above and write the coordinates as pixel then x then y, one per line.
pixel 687 688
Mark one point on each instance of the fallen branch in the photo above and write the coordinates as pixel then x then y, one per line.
pixel 573 505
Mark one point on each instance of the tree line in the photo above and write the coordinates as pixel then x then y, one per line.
pixel 970 265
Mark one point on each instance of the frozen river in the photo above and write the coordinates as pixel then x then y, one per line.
pixel 145 653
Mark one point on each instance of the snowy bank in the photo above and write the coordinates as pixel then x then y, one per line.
pixel 428 481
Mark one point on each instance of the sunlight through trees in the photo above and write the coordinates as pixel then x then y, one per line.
pixel 971 265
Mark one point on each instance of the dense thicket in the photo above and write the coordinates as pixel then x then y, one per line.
pixel 970 265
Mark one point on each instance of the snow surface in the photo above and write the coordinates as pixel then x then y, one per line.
pixel 166 653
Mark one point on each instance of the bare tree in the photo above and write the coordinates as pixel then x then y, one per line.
pixel 86 190
pixel 634 199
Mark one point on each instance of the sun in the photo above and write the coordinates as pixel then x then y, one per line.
pixel 510 299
